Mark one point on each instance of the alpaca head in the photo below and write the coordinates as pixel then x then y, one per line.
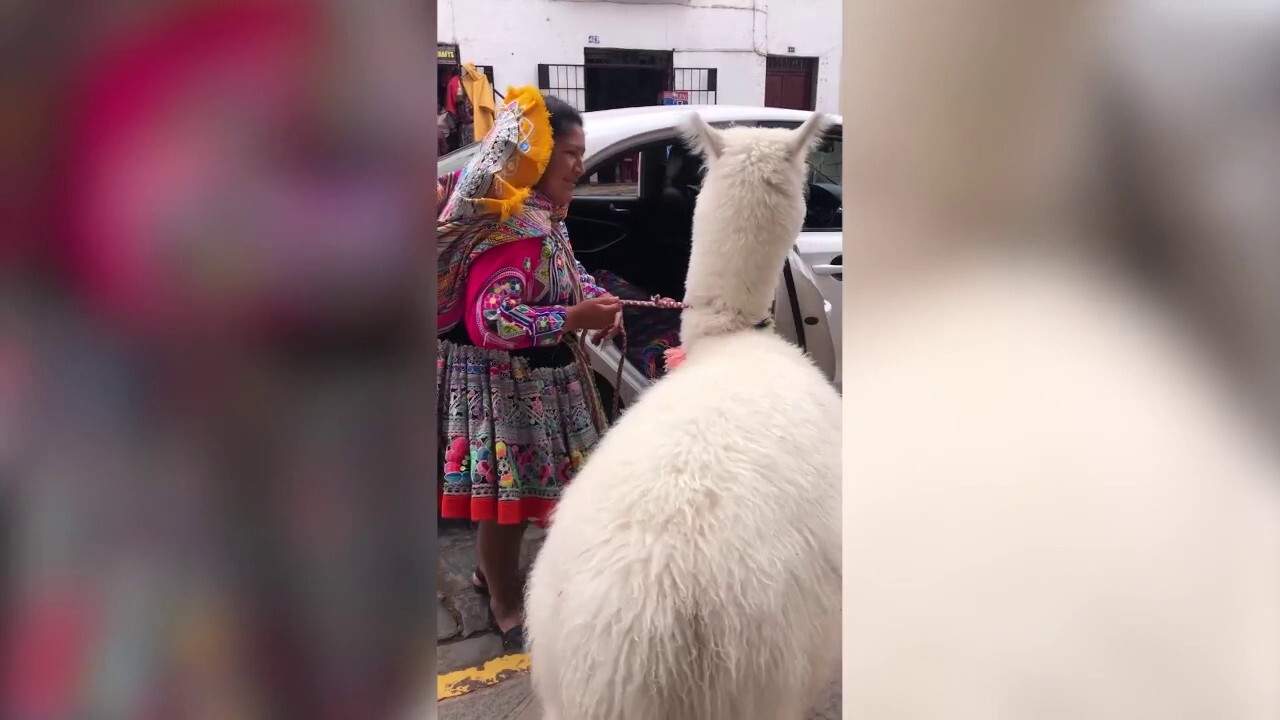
pixel 748 215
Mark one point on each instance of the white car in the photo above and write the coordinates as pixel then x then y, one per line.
pixel 631 219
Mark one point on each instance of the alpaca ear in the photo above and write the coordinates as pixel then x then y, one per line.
pixel 703 139
pixel 807 136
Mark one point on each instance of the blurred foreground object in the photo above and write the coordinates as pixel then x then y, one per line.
pixel 1192 163
pixel 1059 501
pixel 216 497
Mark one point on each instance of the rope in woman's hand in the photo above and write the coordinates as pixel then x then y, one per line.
pixel 657 302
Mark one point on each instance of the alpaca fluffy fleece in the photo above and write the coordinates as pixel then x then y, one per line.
pixel 692 571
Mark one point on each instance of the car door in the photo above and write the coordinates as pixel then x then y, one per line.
pixel 618 201
pixel 807 308
pixel 605 204
pixel 820 248
pixel 668 184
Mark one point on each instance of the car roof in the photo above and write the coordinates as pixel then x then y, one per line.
pixel 604 128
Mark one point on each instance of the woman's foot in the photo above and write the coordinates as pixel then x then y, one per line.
pixel 513 640
pixel 510 624
pixel 498 547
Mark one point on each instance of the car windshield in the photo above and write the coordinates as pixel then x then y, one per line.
pixel 457 159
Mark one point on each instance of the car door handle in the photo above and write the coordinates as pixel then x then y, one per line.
pixel 828 269
pixel 614 209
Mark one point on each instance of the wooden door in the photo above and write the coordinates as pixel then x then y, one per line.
pixel 790 82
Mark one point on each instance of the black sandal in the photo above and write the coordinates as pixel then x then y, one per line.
pixel 512 640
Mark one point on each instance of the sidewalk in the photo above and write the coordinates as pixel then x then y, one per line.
pixel 509 700
pixel 513 700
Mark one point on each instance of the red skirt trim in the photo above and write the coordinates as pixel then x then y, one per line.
pixel 505 512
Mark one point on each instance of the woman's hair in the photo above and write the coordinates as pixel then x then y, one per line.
pixel 563 115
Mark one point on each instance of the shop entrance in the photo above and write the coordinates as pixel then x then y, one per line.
pixel 622 78
pixel 447 64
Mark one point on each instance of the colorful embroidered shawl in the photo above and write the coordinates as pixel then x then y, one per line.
pixel 460 243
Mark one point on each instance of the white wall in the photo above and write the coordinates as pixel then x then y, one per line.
pixel 813 28
pixel 739 75
pixel 734 36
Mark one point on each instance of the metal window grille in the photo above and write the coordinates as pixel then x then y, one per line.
pixel 700 83
pixel 567 82
pixel 488 73
pixel 790 63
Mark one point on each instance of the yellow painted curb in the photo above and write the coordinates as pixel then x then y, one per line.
pixel 460 682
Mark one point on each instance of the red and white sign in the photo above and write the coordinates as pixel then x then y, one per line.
pixel 675 97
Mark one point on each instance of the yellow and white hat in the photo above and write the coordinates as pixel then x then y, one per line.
pixel 512 157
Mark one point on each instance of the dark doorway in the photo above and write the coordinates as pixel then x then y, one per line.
pixel 791 82
pixel 446 66
pixel 617 78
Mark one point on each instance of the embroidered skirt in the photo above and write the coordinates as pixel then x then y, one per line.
pixel 514 431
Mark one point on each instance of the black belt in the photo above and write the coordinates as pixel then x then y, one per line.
pixel 551 356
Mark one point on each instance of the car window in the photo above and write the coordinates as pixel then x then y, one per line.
pixel 824 204
pixel 681 169
pixel 619 177
pixel 825 201
pixel 825 164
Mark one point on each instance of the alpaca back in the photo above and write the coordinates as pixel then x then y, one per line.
pixel 693 568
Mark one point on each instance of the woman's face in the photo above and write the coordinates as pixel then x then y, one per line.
pixel 562 173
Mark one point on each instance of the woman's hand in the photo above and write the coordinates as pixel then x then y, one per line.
pixel 600 336
pixel 598 313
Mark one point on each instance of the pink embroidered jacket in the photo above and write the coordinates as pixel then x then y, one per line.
pixel 516 294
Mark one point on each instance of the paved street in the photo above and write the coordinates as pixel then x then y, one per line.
pixel 513 700
pixel 474 680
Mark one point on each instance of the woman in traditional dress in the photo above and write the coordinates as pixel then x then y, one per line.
pixel 518 406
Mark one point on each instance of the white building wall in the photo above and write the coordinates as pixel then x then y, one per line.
pixel 734 36
pixel 813 28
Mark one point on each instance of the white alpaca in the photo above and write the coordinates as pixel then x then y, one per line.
pixel 692 571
